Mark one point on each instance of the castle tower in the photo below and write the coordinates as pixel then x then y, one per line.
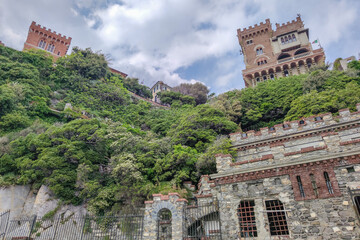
pixel 50 41
pixel 270 54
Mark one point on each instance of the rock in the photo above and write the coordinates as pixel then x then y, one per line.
pixel 68 106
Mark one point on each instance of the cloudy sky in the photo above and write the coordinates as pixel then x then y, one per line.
pixel 179 40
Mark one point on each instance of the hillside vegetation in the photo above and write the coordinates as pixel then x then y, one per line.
pixel 111 150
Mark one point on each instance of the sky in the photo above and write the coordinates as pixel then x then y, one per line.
pixel 180 41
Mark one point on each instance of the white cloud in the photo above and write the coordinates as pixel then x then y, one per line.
pixel 152 39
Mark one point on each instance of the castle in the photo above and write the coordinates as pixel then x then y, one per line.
pixel 269 53
pixel 50 41
pixel 296 180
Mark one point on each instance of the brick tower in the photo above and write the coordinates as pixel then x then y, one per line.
pixel 42 38
pixel 269 54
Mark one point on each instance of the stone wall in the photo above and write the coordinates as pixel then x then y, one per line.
pixel 309 165
pixel 332 218
pixel 171 202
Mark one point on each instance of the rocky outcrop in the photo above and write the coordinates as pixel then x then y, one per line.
pixel 23 202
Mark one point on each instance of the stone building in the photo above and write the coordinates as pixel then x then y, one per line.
pixel 344 62
pixel 296 180
pixel 50 41
pixel 269 53
pixel 159 86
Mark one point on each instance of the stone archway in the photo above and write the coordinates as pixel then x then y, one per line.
pixel 157 214
pixel 164 224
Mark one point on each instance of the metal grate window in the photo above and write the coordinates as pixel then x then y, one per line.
pixel 277 218
pixel 164 224
pixel 357 203
pixel 328 183
pixel 302 193
pixel 247 221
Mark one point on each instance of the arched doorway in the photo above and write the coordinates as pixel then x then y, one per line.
pixel 164 227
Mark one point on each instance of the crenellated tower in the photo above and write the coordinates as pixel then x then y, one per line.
pixel 48 40
pixel 269 53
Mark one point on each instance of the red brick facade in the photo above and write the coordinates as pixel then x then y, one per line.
pixel 50 41
pixel 269 53
pixel 113 70
pixel 303 170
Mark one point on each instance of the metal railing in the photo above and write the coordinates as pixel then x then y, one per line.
pixel 285 59
pixel 202 222
pixel 126 226
pixel 301 55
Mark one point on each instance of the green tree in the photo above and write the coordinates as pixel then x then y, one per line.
pixel 197 90
pixel 200 127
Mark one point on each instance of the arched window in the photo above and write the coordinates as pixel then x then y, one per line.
pixel 277 218
pixel 283 55
pixel 286 73
pixel 272 76
pixel 313 183
pixel 282 41
pixel 293 37
pixel 259 51
pixel 264 78
pixel 42 44
pixel 328 183
pixel 300 51
pixel 51 48
pixel 258 79
pixel 290 38
pixel 164 224
pixel 301 189
pixel 247 222
pixel 286 39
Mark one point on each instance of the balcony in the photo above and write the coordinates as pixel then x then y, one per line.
pixel 285 59
pixel 302 55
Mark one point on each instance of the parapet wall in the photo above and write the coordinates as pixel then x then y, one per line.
pixel 255 29
pixel 315 122
pixel 288 27
pixel 38 28
pixel 311 139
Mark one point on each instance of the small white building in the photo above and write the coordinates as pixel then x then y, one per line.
pixel 159 87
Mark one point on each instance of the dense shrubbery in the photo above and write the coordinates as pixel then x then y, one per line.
pixel 272 102
pixel 111 150
pixel 107 148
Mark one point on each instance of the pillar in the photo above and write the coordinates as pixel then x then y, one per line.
pixel 174 204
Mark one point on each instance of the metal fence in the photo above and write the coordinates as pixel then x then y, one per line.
pixel 4 218
pixel 202 221
pixel 123 227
